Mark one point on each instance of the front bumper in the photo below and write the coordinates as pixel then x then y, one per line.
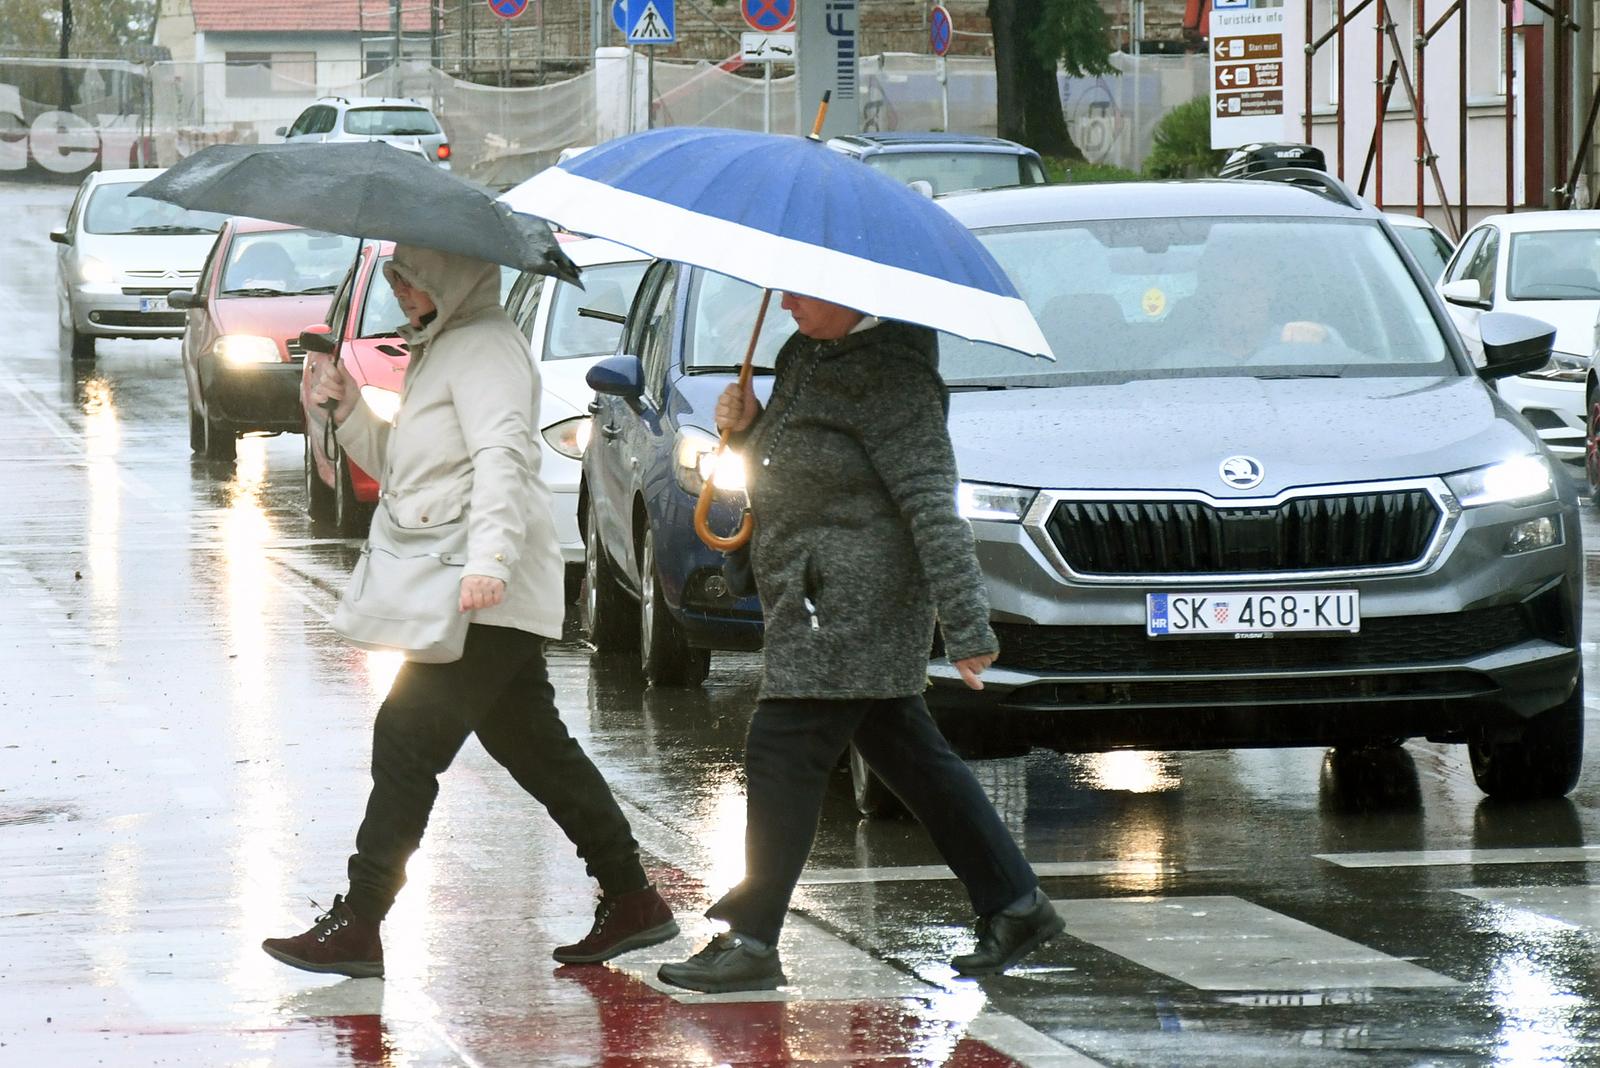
pixel 105 310
pixel 254 396
pixel 691 575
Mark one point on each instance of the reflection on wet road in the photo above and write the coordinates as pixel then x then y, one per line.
pixel 183 747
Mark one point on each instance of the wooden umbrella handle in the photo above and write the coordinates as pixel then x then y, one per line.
pixel 702 507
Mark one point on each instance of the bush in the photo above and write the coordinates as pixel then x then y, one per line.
pixel 1061 169
pixel 1183 143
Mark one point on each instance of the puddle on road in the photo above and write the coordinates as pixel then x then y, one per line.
pixel 23 815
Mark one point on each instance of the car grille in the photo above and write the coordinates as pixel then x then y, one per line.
pixel 183 276
pixel 1158 537
pixel 1382 641
pixel 145 319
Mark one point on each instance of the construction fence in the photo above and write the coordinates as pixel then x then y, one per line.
pixel 59 119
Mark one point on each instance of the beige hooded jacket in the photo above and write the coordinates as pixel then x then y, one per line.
pixel 464 438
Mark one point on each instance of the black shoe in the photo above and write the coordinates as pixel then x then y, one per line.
pixel 727 963
pixel 339 942
pixel 1007 937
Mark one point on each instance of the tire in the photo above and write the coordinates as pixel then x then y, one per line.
pixel 221 442
pixel 873 799
pixel 79 348
pixel 1543 762
pixel 607 616
pixel 665 656
pixel 319 495
pixel 197 432
pixel 1591 458
pixel 351 518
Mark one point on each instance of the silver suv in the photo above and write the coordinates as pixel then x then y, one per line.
pixel 403 122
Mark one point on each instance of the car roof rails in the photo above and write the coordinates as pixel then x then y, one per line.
pixel 1319 182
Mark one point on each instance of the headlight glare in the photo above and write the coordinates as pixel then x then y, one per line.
pixel 696 459
pixel 1562 368
pixel 570 437
pixel 385 403
pixel 239 349
pixel 93 270
pixel 1522 480
pixel 1004 504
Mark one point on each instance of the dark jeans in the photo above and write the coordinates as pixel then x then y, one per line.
pixel 499 690
pixel 791 751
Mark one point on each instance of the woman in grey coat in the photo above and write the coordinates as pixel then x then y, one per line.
pixel 857 549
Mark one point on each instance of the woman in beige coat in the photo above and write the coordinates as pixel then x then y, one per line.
pixel 465 440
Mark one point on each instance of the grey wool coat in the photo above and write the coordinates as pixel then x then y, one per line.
pixel 857 542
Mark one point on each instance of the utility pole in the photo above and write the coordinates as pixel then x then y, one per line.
pixel 66 49
pixel 394 69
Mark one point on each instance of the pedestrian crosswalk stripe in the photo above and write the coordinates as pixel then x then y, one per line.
pixel 1443 857
pixel 1575 906
pixel 922 872
pixel 1226 943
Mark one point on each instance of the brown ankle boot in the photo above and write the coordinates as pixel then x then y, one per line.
pixel 622 923
pixel 340 943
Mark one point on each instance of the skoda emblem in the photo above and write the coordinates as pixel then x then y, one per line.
pixel 1242 472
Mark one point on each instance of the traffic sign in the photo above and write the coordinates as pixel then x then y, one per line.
pixel 940 29
pixel 1248 64
pixel 655 24
pixel 766 47
pixel 508 9
pixel 767 16
pixel 619 15
pixel 1223 5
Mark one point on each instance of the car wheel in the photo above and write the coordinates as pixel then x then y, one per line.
pixel 351 518
pixel 319 495
pixel 1543 762
pixel 1591 459
pixel 873 799
pixel 664 654
pixel 221 442
pixel 605 612
pixel 197 431
pixel 78 347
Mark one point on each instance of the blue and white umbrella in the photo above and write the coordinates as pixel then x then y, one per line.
pixel 789 214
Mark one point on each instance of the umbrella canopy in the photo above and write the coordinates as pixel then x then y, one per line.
pixel 365 189
pixel 786 213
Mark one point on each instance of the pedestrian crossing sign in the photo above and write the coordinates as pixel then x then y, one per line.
pixel 655 23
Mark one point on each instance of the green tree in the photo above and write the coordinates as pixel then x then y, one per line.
pixel 1030 38
pixel 97 28
pixel 1182 146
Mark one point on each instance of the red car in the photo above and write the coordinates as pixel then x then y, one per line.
pixel 364 325
pixel 261 284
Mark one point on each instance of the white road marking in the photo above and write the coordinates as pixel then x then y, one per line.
pixel 1226 943
pixel 1576 906
pixel 1065 868
pixel 1425 858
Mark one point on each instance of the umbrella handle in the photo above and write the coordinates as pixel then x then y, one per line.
pixel 702 507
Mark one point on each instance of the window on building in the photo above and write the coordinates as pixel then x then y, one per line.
pixel 271 73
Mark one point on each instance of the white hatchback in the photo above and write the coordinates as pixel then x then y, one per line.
pixel 1545 264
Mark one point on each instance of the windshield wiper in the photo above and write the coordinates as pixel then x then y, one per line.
pixel 169 228
pixel 1298 374
pixel 313 291
pixel 257 291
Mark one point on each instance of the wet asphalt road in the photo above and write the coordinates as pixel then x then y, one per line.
pixel 183 747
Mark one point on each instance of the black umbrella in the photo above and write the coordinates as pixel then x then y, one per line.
pixel 366 189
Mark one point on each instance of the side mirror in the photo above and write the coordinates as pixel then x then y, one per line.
pixel 184 298
pixel 318 338
pixel 1513 344
pixel 281 131
pixel 618 376
pixel 1463 291
pixel 60 237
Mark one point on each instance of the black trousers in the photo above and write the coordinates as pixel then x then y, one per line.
pixel 792 749
pixel 500 691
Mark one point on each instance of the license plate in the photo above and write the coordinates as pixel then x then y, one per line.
pixel 1195 615
pixel 153 304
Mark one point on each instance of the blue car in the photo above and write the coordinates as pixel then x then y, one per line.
pixel 651 587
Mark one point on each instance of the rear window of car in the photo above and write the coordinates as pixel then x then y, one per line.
pixel 1555 265
pixel 389 122
pixel 1269 297
pixel 285 263
pixel 607 287
pixel 112 209
pixel 948 172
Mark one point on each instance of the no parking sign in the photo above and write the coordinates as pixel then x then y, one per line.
pixel 940 29
pixel 508 9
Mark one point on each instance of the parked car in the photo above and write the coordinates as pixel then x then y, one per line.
pixel 1545 264
pixel 120 256
pixel 1263 499
pixel 1425 241
pixel 946 162
pixel 403 122
pixel 565 344
pixel 362 330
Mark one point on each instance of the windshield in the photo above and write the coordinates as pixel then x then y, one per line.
pixel 389 122
pixel 1555 265
pixel 1428 246
pixel 722 312
pixel 280 263
pixel 1146 298
pixel 381 315
pixel 112 210
pixel 607 287
pixel 950 171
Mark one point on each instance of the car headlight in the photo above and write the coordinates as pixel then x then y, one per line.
pixel 1519 481
pixel 1562 368
pixel 385 403
pixel 1005 504
pixel 93 270
pixel 241 349
pixel 570 436
pixel 696 459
